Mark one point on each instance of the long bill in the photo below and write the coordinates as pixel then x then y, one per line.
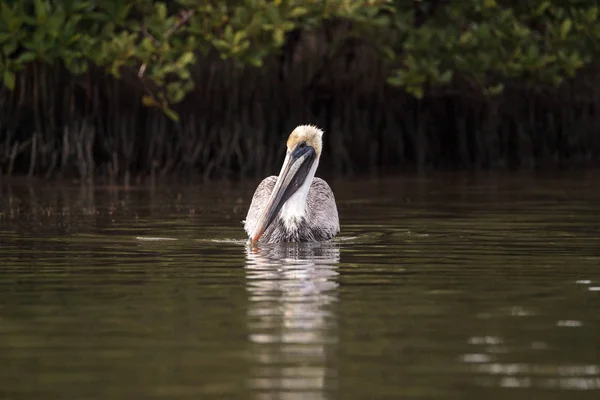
pixel 294 171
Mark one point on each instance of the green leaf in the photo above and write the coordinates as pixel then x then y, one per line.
pixel 273 14
pixel 565 28
pixel 15 24
pixel 161 11
pixel 278 36
pixel 147 45
pixel 592 14
pixel 239 36
pixel 389 52
pixel 221 45
pixel 446 76
pixel 174 92
pixel 542 8
pixel 40 11
pixel 416 91
pixel 171 114
pixel 228 33
pixel 6 13
pixel 56 21
pixel 149 101
pixel 26 57
pixel 186 58
pixel 466 37
pixel 9 47
pixel 495 90
pixel 123 12
pixel 298 12
pixel 9 79
pixel 254 60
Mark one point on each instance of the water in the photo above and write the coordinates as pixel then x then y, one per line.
pixel 441 287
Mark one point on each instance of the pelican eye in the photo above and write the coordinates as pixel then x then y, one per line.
pixel 301 149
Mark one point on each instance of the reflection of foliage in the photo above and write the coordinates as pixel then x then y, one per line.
pixel 485 43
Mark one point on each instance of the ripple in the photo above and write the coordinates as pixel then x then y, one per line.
pixel 154 239
pixel 569 323
pixel 487 340
pixel 566 377
pixel 476 358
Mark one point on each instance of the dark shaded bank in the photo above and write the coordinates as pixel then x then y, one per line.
pixel 235 122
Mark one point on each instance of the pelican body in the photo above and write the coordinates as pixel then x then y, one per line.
pixel 294 206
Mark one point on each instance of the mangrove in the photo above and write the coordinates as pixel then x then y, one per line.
pixel 140 90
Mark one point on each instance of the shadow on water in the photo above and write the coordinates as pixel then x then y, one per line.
pixel 292 291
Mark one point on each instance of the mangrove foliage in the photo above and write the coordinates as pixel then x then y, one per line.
pixel 144 88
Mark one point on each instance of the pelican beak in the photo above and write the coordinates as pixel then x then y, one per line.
pixel 296 167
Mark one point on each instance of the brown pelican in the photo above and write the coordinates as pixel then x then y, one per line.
pixel 294 206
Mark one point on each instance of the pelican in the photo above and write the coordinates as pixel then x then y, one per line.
pixel 294 206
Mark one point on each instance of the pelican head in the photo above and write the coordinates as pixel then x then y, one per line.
pixel 293 183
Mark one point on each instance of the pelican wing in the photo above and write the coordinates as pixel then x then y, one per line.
pixel 322 220
pixel 322 210
pixel 259 200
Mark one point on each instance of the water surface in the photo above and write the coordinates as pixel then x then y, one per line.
pixel 447 286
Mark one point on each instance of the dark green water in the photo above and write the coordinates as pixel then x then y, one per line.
pixel 440 287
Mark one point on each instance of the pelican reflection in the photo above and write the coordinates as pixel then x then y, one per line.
pixel 292 289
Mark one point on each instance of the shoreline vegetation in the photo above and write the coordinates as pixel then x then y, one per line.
pixel 138 91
